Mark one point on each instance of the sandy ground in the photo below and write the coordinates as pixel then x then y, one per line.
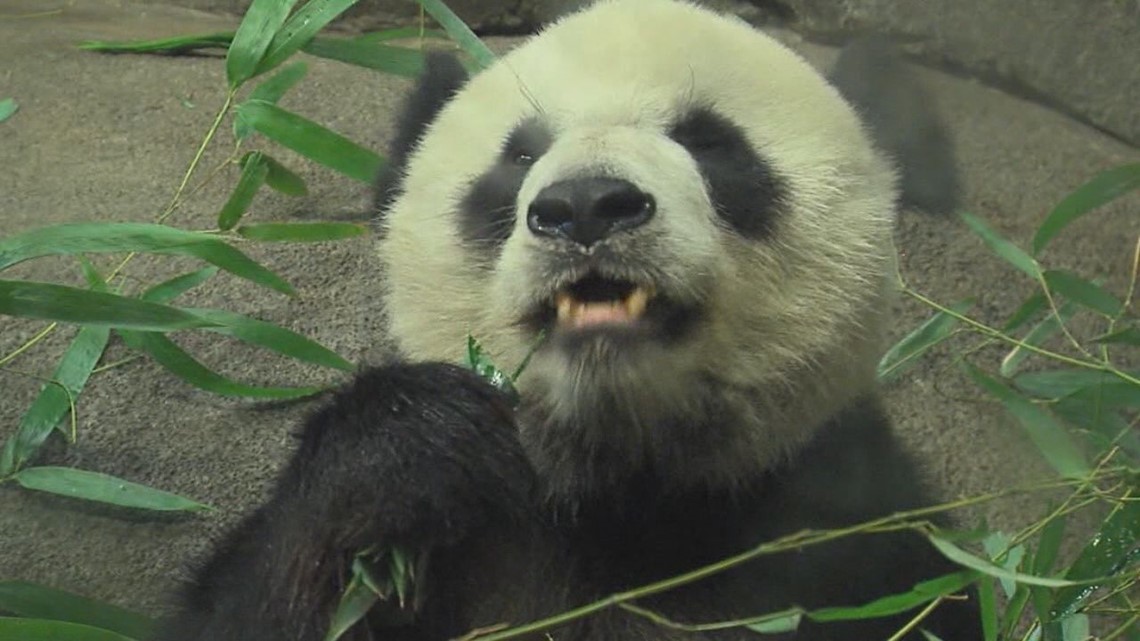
pixel 107 138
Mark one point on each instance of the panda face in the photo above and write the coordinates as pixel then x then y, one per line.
pixel 691 217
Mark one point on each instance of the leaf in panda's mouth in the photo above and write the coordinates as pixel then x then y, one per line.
pixel 595 301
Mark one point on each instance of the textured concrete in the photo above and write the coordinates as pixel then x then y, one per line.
pixel 106 138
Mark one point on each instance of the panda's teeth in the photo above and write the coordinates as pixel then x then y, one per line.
pixel 637 301
pixel 575 313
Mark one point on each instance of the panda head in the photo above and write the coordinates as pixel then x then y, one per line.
pixel 691 216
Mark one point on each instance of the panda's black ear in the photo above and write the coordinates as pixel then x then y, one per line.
pixel 443 76
pixel 902 120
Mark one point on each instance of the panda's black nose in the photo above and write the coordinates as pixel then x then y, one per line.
pixel 586 210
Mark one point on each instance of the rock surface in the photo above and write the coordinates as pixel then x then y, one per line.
pixel 107 138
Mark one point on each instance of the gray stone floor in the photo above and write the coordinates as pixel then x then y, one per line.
pixel 106 138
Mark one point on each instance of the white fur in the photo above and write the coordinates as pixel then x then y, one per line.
pixel 792 327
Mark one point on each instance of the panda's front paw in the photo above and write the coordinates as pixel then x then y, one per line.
pixel 412 454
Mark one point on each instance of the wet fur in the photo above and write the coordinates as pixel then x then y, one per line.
pixel 629 460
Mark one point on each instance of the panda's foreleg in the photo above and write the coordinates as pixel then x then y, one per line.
pixel 422 459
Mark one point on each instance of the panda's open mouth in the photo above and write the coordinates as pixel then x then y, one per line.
pixel 598 301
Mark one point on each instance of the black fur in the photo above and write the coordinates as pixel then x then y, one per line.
pixel 442 78
pixel 902 121
pixel 744 189
pixel 489 208
pixel 426 458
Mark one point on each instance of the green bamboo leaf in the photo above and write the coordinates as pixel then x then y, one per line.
pixel 55 399
pixel 301 232
pixel 8 107
pixel 300 28
pixel 1083 292
pixel 18 629
pixel 987 607
pixel 1103 188
pixel 1110 551
pixel 1126 336
pixel 964 558
pixel 1050 437
pixel 1041 332
pixel 1052 384
pixel 281 179
pixel 271 91
pixel 77 238
pixel 1005 250
pixel 354 604
pixel 71 305
pixel 920 594
pixel 1075 628
pixel 459 32
pixel 252 178
pixel 168 290
pixel 181 364
pixel 481 364
pixel 1028 309
pixel 260 24
pixel 933 331
pixel 273 337
pixel 1048 545
pixel 398 61
pixel 311 140
pixel 1104 426
pixel 179 44
pixel 102 488
pixel 403 33
pixel 33 601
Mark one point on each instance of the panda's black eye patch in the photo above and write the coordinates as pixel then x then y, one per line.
pixel 489 207
pixel 742 184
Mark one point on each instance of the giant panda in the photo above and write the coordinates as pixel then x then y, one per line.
pixel 694 228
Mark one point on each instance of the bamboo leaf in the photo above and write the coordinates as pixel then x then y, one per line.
pixel 1048 545
pixel 181 364
pixel 1052 384
pixel 271 90
pixel 1028 309
pixel 283 180
pixel 301 232
pixel 33 601
pixel 1103 188
pixel 8 107
pixel 1126 336
pixel 80 306
pixel 920 594
pixel 299 29
pixel 273 337
pixel 1048 326
pixel 19 629
pixel 77 238
pixel 354 604
pixel 987 607
pixel 1050 437
pixel 481 364
pixel 311 140
pixel 403 33
pixel 179 44
pixel 263 18
pixel 398 61
pixel 102 488
pixel 1004 249
pixel 254 171
pixel 1113 549
pixel 964 558
pixel 1083 292
pixel 933 331
pixel 459 32
pixel 168 290
pixel 55 399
